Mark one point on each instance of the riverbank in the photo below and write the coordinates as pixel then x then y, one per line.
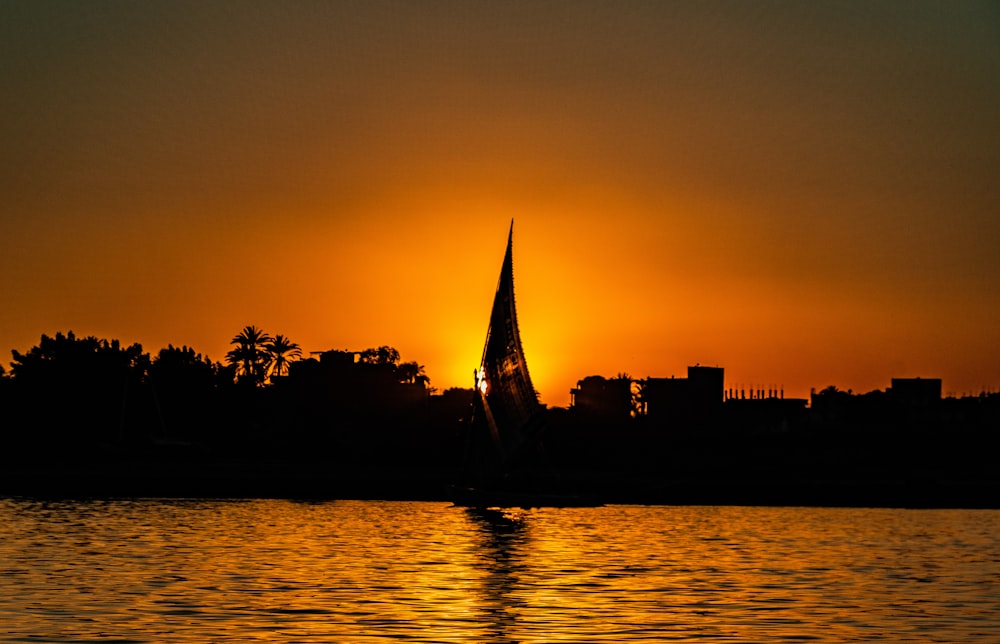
pixel 309 480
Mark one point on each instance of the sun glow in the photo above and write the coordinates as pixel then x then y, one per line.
pixel 772 217
pixel 481 383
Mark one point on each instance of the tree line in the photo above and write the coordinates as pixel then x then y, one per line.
pixel 71 394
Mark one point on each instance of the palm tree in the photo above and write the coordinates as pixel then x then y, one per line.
pixel 635 388
pixel 412 372
pixel 279 350
pixel 250 357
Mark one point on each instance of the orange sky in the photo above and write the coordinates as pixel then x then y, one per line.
pixel 802 193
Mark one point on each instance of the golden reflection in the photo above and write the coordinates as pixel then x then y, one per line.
pixel 502 539
pixel 430 572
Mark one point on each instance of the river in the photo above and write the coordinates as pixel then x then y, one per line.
pixel 367 571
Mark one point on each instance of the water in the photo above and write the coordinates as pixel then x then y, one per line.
pixel 236 571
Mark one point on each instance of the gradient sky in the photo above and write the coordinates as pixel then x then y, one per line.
pixel 804 193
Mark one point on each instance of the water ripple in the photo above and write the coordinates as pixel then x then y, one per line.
pixel 227 571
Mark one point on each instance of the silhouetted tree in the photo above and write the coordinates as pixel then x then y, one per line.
pixel 376 369
pixel 182 385
pixel 280 351
pixel 635 389
pixel 412 373
pixel 384 355
pixel 183 364
pixel 250 357
pixel 77 391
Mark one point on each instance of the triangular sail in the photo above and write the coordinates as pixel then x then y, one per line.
pixel 506 399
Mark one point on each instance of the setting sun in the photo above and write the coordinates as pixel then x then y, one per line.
pixel 808 208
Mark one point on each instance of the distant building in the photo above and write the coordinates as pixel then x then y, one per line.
pixel 707 386
pixel 603 398
pixel 664 398
pixel 335 358
pixel 340 382
pixel 909 402
pixel 915 392
pixel 766 414
pixel 682 400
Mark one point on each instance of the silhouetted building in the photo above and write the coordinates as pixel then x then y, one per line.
pixel 334 359
pixel 664 398
pixel 707 385
pixel 603 398
pixel 684 400
pixel 908 403
pixel 915 392
pixel 339 387
pixel 765 415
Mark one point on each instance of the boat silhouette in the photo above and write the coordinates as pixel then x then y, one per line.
pixel 507 417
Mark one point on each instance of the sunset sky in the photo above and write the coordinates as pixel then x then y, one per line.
pixel 804 193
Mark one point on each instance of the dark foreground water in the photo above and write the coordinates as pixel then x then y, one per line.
pixel 233 571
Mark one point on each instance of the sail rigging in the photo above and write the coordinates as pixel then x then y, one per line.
pixel 507 403
pixel 502 460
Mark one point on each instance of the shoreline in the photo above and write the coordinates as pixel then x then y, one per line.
pixel 312 481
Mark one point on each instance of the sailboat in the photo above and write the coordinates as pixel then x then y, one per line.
pixel 507 416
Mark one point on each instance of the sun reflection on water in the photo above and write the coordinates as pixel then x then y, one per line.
pixel 227 571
